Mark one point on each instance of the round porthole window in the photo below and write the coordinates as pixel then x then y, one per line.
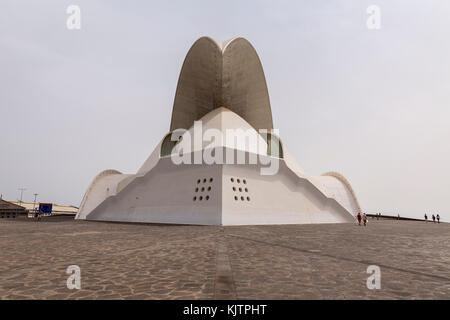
pixel 244 181
pixel 232 180
pixel 210 179
pixel 240 189
pixel 248 198
pixel 204 180
pixel 195 198
pixel 201 198
pixel 234 188
pixel 207 198
pixel 198 181
pixel 235 198
pixel 209 188
pixel 203 189
pixel 196 189
pixel 238 181
pixel 242 198
pixel 246 190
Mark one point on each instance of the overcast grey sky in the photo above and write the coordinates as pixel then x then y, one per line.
pixel 373 105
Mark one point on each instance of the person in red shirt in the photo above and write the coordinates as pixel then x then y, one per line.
pixel 359 218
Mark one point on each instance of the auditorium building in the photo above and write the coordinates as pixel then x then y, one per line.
pixel 222 161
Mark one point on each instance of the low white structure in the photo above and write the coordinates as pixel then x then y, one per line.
pixel 222 86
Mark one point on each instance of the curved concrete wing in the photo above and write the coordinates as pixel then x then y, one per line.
pixel 105 184
pixel 198 85
pixel 336 186
pixel 244 88
pixel 350 191
pixel 216 74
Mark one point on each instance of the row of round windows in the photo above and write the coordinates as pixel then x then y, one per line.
pixel 207 198
pixel 200 198
pixel 240 189
pixel 239 180
pixel 202 189
pixel 204 180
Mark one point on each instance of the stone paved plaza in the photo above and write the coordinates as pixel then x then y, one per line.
pixel 131 261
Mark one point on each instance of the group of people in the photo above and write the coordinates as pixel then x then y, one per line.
pixel 362 218
pixel 434 217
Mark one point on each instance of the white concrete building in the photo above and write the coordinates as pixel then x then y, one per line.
pixel 220 112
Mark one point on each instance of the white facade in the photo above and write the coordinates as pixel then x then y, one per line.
pixel 223 86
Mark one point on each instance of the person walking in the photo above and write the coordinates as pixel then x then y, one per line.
pixel 426 217
pixel 434 218
pixel 438 217
pixel 359 218
pixel 364 217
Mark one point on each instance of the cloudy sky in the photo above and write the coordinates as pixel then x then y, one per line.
pixel 373 105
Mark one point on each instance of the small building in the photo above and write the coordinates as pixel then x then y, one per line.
pixel 11 210
pixel 56 209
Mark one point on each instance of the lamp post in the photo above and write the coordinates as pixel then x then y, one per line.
pixel 21 194
pixel 34 203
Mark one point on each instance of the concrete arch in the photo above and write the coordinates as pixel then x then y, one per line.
pixel 107 179
pixel 217 74
pixel 170 141
pixel 347 184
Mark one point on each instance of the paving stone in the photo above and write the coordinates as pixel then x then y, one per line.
pixel 144 261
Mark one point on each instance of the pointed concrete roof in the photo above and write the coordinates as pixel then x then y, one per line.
pixel 217 74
